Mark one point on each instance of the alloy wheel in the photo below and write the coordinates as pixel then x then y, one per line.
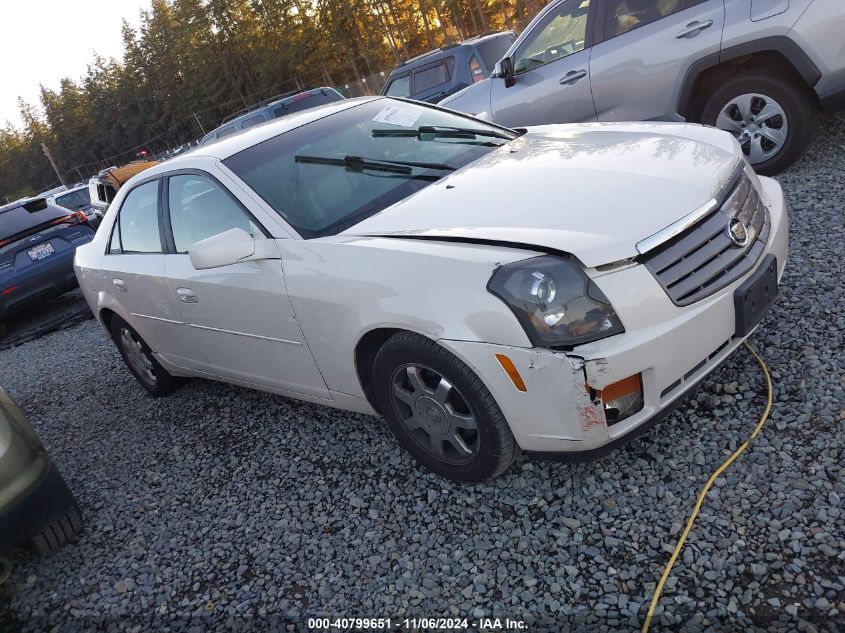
pixel 758 122
pixel 137 357
pixel 435 414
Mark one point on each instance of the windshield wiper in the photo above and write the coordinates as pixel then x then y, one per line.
pixel 358 164
pixel 442 131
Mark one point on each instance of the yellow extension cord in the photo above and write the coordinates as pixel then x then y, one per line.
pixel 706 489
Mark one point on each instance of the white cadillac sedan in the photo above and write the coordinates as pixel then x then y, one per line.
pixel 485 290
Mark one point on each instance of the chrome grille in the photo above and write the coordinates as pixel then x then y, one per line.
pixel 704 258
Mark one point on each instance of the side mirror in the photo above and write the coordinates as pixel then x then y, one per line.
pixel 222 249
pixel 504 70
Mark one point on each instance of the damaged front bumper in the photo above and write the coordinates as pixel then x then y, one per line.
pixel 670 348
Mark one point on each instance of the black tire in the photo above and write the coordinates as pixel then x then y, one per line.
pixel 493 447
pixel 789 92
pixel 60 531
pixel 158 382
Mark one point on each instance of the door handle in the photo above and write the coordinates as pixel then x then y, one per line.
pixel 573 77
pixel 186 295
pixel 694 28
pixel 119 285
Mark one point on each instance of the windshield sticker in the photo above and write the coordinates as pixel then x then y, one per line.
pixel 398 115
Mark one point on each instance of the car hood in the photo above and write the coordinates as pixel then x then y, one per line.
pixel 593 190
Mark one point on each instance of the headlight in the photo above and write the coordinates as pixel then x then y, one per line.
pixel 556 303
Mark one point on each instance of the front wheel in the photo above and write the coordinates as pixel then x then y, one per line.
pixel 773 118
pixel 440 410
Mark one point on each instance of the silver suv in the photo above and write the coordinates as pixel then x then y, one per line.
pixel 760 69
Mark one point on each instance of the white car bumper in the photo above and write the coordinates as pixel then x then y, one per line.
pixel 671 347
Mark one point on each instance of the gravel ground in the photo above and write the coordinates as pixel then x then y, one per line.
pixel 226 508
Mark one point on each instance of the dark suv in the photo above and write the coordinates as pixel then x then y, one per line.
pixel 273 108
pixel 439 73
pixel 37 242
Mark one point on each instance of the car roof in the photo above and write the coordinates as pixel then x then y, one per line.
pixel 69 190
pixel 244 139
pixel 446 51
pixel 263 106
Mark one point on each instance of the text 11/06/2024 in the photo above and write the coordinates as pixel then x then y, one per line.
pixel 416 624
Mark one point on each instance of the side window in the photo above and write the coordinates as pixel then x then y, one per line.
pixel 253 120
pixel 114 243
pixel 138 220
pixel 561 33
pixel 475 70
pixel 400 87
pixel 226 131
pixel 201 208
pixel 428 78
pixel 622 16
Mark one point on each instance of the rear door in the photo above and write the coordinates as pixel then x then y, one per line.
pixel 239 321
pixel 645 49
pixel 133 266
pixel 551 71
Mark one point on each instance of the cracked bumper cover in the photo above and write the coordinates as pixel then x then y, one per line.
pixel 673 348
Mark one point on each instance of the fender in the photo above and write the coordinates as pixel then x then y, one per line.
pixel 791 51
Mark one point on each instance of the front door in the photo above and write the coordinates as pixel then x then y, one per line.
pixel 239 322
pixel 551 71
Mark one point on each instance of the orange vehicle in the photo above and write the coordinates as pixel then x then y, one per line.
pixel 104 186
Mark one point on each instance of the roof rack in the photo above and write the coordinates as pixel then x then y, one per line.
pixel 427 53
pixel 488 33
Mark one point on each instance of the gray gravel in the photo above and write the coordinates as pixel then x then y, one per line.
pixel 225 508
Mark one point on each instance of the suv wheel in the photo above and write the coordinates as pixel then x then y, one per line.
pixel 440 411
pixel 140 361
pixel 772 118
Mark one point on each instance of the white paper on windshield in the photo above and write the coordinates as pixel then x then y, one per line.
pixel 398 115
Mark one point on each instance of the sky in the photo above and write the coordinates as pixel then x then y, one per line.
pixel 43 41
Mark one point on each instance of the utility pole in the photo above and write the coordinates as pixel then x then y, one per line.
pixel 198 123
pixel 49 156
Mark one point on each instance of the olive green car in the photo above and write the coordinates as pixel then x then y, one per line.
pixel 36 505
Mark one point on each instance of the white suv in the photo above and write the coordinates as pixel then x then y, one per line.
pixel 485 290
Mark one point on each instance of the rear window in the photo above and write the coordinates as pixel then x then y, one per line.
pixel 494 50
pixel 428 78
pixel 18 219
pixel 75 200
pixel 303 102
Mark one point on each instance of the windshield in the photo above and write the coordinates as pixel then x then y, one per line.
pixel 336 185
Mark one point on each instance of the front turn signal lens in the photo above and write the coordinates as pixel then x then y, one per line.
pixel 511 371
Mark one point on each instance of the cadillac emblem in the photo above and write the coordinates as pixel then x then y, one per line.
pixel 738 233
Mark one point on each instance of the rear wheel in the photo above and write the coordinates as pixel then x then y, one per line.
pixel 773 118
pixel 440 410
pixel 140 361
